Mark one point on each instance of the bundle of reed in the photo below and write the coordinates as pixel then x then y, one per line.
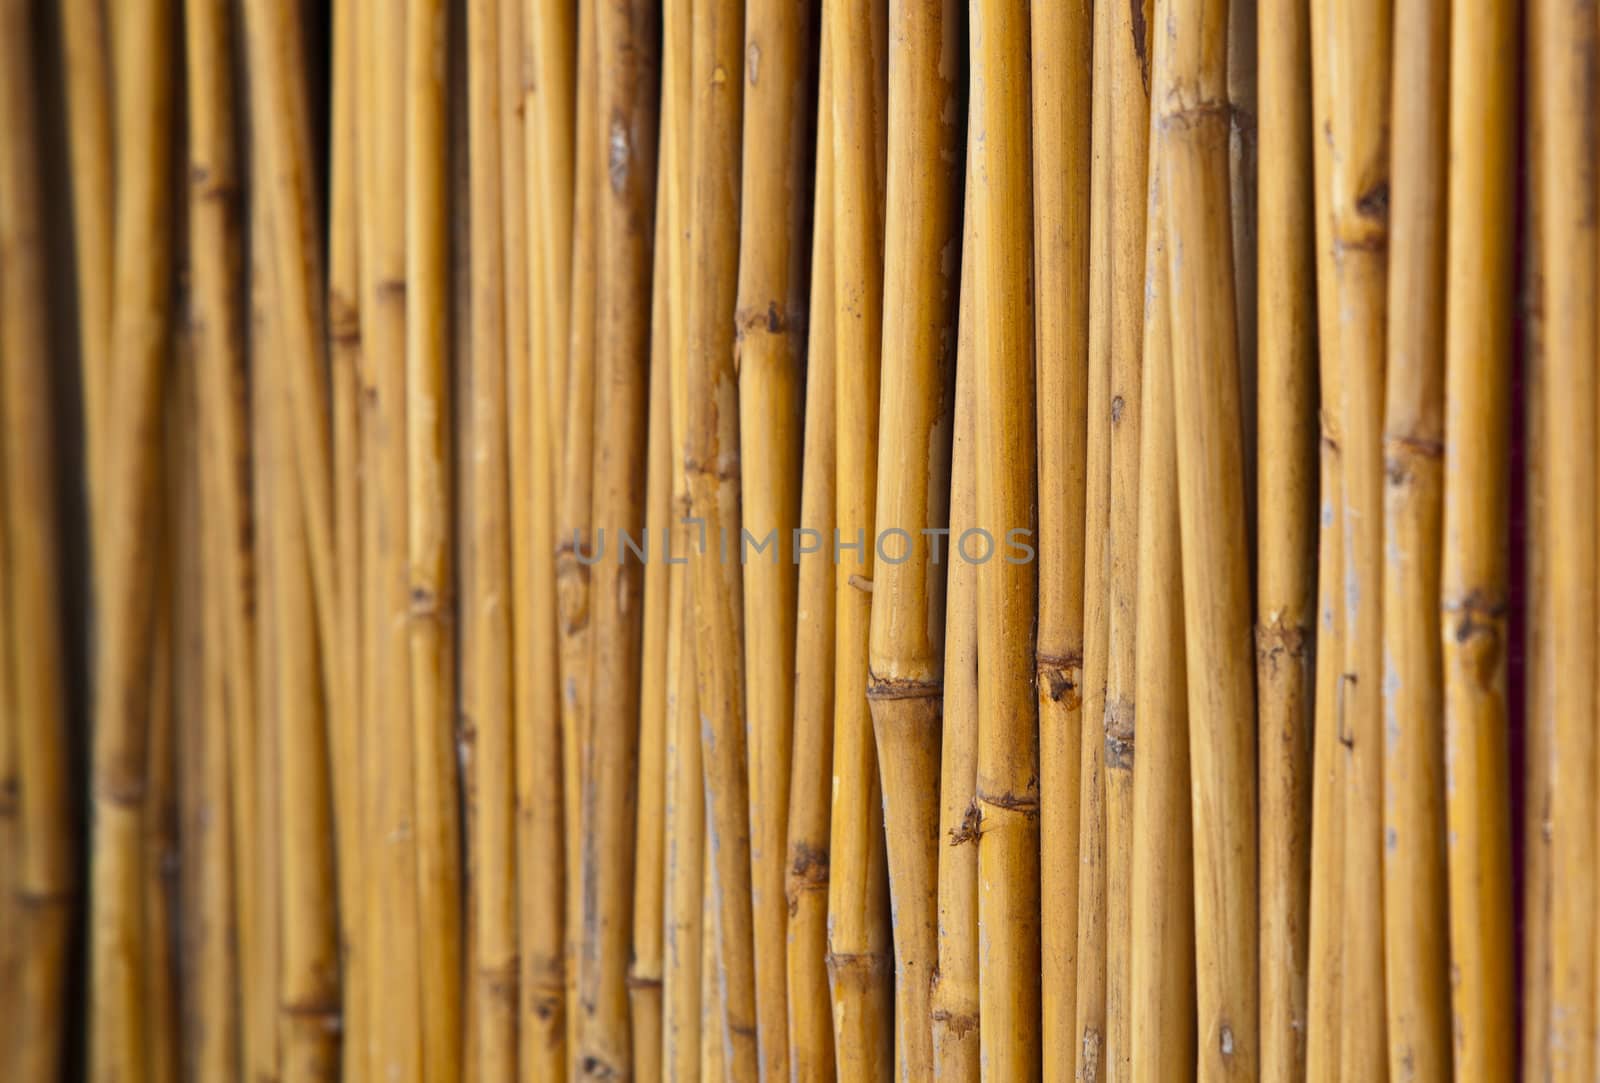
pixel 571 543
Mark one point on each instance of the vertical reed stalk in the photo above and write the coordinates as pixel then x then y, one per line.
pixel 1062 49
pixel 905 678
pixel 711 460
pixel 769 332
pixel 1130 142
pixel 1244 181
pixel 1325 955
pixel 1478 360
pixel 1566 101
pixel 161 821
pixel 1358 51
pixel 1161 985
pixel 1416 949
pixel 1007 795
pixel 956 1032
pixel 629 74
pixel 859 938
pixel 124 596
pixel 429 489
pixel 1089 997
pixel 649 833
pixel 1194 134
pixel 42 889
pixel 486 576
pixel 806 884
pixel 1286 480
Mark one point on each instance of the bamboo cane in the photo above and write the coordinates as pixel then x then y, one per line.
pixel 1244 182
pixel 124 590
pixel 345 362
pixel 429 551
pixel 1416 950
pixel 1089 981
pixel 1567 250
pixel 649 846
pixel 1062 49
pixel 1483 140
pixel 905 680
pixel 1194 165
pixel 1007 795
pixel 1324 912
pixel 540 870
pixel 1538 702
pixel 956 1031
pixel 769 339
pixel 1130 130
pixel 91 151
pixel 1358 43
pixel 575 492
pixel 486 575
pixel 1286 479
pixel 42 880
pixel 859 938
pixel 10 796
pixel 711 460
pixel 628 73
pixel 160 844
pixel 683 902
pixel 713 1052
pixel 1161 924
pixel 810 1008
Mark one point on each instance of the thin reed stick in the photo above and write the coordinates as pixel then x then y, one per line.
pixel 905 679
pixel 711 460
pixel 42 870
pixel 1161 924
pixel 1286 493
pixel 124 590
pixel 1007 795
pixel 1194 135
pixel 1416 949
pixel 769 334
pixel 1566 97
pixel 1476 573
pixel 1062 67
pixel 956 1032
pixel 806 871
pixel 160 841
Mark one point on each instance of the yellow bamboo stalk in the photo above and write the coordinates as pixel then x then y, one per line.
pixel 956 1033
pixel 1325 948
pixel 649 834
pixel 713 1052
pixel 1161 987
pixel 486 575
pixel 1130 131
pixel 87 63
pixel 1286 480
pixel 1244 182
pixel 1007 795
pixel 810 1008
pixel 905 679
pixel 1416 949
pixel 1061 53
pixel 769 336
pixel 430 563
pixel 10 793
pixel 124 588
pixel 541 879
pixel 1475 577
pixel 859 938
pixel 40 903
pixel 1358 51
pixel 1538 701
pixel 711 460
pixel 1567 251
pixel 160 841
pixel 684 859
pixel 1194 168
pixel 1089 946
pixel 575 493
pixel 628 73
pixel 395 1002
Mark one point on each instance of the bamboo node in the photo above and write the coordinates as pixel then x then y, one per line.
pixel 1061 677
pixel 1402 453
pixel 344 321
pixel 1476 624
pixel 501 981
pixel 723 471
pixel 593 1067
pixel 1026 803
pixel 863 967
pixel 959 1024
pixel 1278 642
pixel 770 320
pixel 808 871
pixel 1119 726
pixel 967 830
pixel 889 688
